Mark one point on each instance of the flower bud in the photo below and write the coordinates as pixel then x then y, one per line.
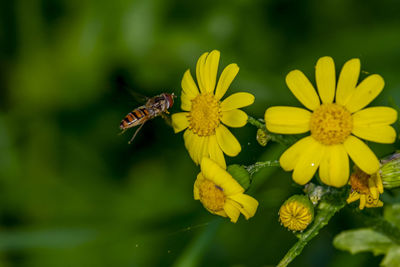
pixel 390 171
pixel 240 174
pixel 296 213
pixel 262 137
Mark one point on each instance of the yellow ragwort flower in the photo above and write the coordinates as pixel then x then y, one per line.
pixel 366 188
pixel 296 213
pixel 206 136
pixel 220 194
pixel 335 125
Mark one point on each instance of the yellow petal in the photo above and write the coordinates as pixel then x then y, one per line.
pixel 210 71
pixel 212 171
pixel 227 142
pixel 220 213
pixel 354 196
pixel 189 88
pixel 196 193
pixel 378 182
pixel 200 72
pixel 230 210
pixel 188 137
pixel 189 91
pixel 302 89
pixel 237 100
pixel 247 203
pixel 287 120
pixel 326 79
pixel 196 145
pixel 376 204
pixel 362 201
pixel 234 118
pixel 227 76
pixel 347 81
pixel 289 158
pixel 205 152
pixel 361 154
pixel 308 162
pixel 373 188
pixel 365 92
pixel 196 185
pixel 324 167
pixel 179 121
pixel 374 116
pixel 339 169
pixel 384 134
pixel 186 103
pixel 216 152
pixel 334 167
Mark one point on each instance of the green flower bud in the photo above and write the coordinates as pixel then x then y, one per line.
pixel 390 171
pixel 240 174
pixel 296 213
pixel 262 137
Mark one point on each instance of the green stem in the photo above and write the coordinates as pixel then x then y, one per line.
pixel 252 169
pixel 326 209
pixel 286 140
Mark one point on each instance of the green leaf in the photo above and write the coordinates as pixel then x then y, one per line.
pixel 361 240
pixel 240 174
pixel 392 214
pixel 392 258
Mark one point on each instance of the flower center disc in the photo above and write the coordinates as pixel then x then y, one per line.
pixel 294 216
pixel 331 124
pixel 204 115
pixel 211 195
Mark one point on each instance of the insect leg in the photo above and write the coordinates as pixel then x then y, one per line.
pixel 133 137
pixel 167 119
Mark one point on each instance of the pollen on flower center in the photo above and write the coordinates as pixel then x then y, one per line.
pixel 331 124
pixel 211 195
pixel 205 114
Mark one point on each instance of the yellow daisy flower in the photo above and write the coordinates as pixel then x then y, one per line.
pixel 366 188
pixel 335 124
pixel 206 136
pixel 221 194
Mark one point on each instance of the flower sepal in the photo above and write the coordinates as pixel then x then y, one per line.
pixel 390 171
pixel 296 213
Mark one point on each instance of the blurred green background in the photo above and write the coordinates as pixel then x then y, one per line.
pixel 74 193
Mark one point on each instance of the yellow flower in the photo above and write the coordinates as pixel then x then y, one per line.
pixel 366 188
pixel 206 136
pixel 296 213
pixel 220 194
pixel 335 125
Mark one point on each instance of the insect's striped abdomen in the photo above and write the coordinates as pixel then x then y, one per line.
pixel 135 117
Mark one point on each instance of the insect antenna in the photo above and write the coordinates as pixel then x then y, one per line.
pixel 133 137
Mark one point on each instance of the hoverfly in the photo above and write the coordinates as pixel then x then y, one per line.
pixel 155 106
